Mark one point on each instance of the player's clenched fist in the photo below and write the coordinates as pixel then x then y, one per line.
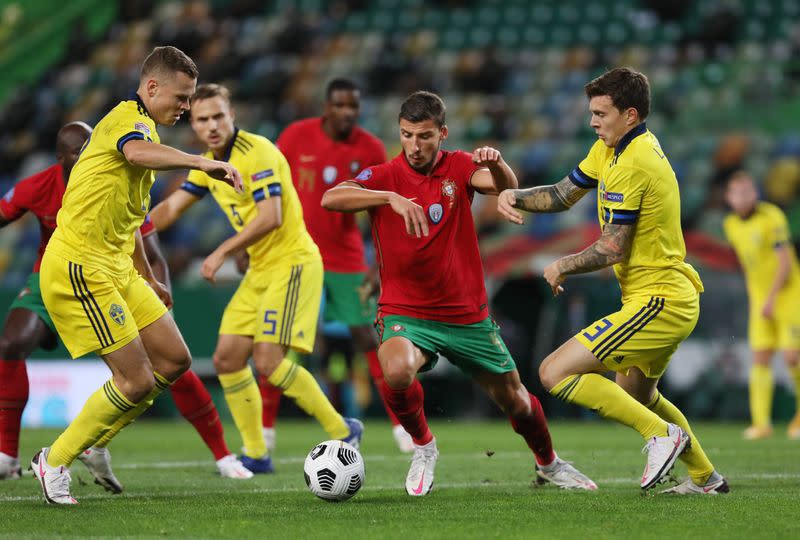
pixel 226 172
pixel 506 202
pixel 162 292
pixel 412 213
pixel 486 156
pixel 552 274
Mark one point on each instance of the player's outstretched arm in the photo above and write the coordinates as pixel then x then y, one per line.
pixel 541 199
pixel 613 247
pixel 496 177
pixel 268 218
pixel 170 209
pixel 160 157
pixel 351 197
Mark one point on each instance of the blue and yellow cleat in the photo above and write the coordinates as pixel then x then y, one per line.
pixel 356 432
pixel 257 465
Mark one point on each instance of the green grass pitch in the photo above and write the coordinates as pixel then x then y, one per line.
pixel 171 489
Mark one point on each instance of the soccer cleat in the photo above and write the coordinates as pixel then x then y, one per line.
pixel 755 433
pixel 54 480
pixel 230 467
pixel 269 438
pixel 715 485
pixel 9 467
pixel 419 481
pixel 403 439
pixel 562 474
pixel 356 432
pixel 98 462
pixel 262 465
pixel 662 452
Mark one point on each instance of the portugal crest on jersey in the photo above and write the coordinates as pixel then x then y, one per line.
pixel 117 314
pixel 449 191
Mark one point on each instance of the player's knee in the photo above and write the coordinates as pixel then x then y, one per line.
pixel 549 373
pixel 223 363
pixel 136 386
pixel 399 374
pixel 266 363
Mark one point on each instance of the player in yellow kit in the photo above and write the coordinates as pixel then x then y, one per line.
pixel 759 234
pixel 96 282
pixel 638 207
pixel 276 306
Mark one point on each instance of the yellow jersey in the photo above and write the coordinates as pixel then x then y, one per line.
pixel 265 173
pixel 754 239
pixel 637 186
pixel 107 197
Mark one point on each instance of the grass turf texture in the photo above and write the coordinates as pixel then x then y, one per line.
pixel 171 489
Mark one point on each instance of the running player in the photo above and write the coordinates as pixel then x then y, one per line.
pixel 96 283
pixel 28 326
pixel 759 233
pixel 322 152
pixel 639 209
pixel 277 304
pixel 433 298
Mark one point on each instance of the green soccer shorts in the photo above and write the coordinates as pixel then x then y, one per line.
pixel 473 348
pixel 342 301
pixel 30 298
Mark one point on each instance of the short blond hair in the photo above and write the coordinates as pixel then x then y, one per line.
pixel 168 60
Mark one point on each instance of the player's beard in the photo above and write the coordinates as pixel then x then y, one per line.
pixel 428 167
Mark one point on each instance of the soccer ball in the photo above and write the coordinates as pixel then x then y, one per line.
pixel 334 471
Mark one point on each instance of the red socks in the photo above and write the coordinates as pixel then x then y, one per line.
pixel 195 404
pixel 407 404
pixel 534 430
pixel 376 373
pixel 270 401
pixel 13 398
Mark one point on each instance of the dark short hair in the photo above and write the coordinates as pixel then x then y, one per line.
pixel 211 90
pixel 423 105
pixel 168 60
pixel 626 87
pixel 340 83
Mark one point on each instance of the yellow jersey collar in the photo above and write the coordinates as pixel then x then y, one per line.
pixel 228 149
pixel 140 105
pixel 626 139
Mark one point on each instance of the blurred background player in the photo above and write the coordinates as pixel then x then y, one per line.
pixel 94 272
pixel 29 326
pixel 322 152
pixel 433 298
pixel 276 305
pixel 638 205
pixel 759 233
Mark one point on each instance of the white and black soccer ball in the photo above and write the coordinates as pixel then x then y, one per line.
pixel 334 470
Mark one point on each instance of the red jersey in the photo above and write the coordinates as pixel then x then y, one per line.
pixel 439 277
pixel 41 194
pixel 318 163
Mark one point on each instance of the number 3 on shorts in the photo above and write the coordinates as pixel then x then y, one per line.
pixel 599 329
pixel 270 322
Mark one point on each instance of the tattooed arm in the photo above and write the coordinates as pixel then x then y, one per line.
pixel 542 199
pixel 613 246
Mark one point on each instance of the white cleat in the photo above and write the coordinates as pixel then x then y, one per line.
pixel 562 474
pixel 230 467
pixel 98 462
pixel 269 438
pixel 715 485
pixel 419 481
pixel 54 480
pixel 9 467
pixel 403 439
pixel 662 453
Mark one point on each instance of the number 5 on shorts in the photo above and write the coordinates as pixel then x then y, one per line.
pixel 270 322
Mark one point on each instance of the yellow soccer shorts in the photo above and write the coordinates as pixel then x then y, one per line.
pixel 643 334
pixel 278 305
pixel 95 310
pixel 781 332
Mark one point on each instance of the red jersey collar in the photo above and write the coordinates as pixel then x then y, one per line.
pixel 350 138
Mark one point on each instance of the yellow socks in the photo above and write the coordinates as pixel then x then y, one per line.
pixel 595 392
pixel 244 402
pixel 298 384
pixel 700 467
pixel 100 413
pixel 161 385
pixel 761 387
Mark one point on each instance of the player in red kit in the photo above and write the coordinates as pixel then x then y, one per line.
pixel 322 152
pixel 433 298
pixel 28 326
